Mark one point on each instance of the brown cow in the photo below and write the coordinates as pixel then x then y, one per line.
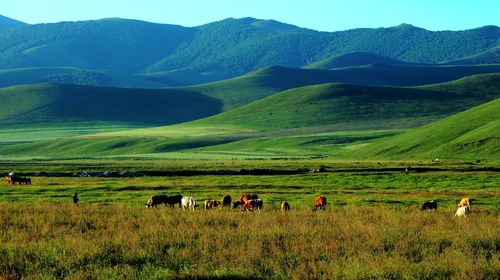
pixel 226 201
pixel 320 202
pixel 285 206
pixel 244 198
pixel 251 203
pixel 209 204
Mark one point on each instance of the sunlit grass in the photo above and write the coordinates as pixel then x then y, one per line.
pixel 60 240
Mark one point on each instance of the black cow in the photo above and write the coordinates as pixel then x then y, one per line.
pixel 174 199
pixel 429 205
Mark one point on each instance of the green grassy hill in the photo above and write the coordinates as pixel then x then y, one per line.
pixel 315 120
pixel 473 134
pixel 353 59
pixel 351 107
pixel 253 86
pixel 55 103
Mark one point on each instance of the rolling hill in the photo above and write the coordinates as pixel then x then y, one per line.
pixel 353 59
pixel 354 107
pixel 222 49
pixel 313 119
pixel 55 103
pixel 473 135
pixel 253 86
pixel 196 102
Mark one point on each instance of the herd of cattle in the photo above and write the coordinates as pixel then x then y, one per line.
pixel 13 179
pixel 252 201
pixel 249 201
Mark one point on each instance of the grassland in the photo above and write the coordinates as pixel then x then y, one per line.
pixel 371 229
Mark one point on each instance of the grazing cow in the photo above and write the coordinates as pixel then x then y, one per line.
pixel 174 199
pixel 285 206
pixel 244 198
pixel 251 203
pixel 209 204
pixel 320 202
pixel 188 203
pixel 8 179
pixel 226 201
pixel 156 200
pixel 75 199
pixel 407 170
pixel 429 205
pixel 463 211
pixel 465 202
pixel 20 180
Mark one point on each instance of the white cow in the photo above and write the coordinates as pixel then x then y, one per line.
pixel 463 211
pixel 188 202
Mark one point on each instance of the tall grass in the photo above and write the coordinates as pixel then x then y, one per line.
pixel 58 240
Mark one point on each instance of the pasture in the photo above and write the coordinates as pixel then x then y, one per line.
pixel 371 228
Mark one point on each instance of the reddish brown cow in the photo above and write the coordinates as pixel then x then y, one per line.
pixel 320 202
pixel 226 201
pixel 285 206
pixel 251 203
pixel 244 198
pixel 209 204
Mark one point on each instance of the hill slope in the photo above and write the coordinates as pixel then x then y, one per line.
pixel 351 107
pixel 6 22
pixel 353 59
pixel 212 98
pixel 226 48
pixel 67 75
pixel 110 44
pixel 490 56
pixel 265 82
pixel 53 103
pixel 297 121
pixel 473 134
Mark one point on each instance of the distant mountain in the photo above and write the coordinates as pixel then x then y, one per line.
pixel 114 44
pixel 8 22
pixel 491 56
pixel 222 49
pixel 353 59
pixel 71 75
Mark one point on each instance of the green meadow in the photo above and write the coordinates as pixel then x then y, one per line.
pixel 372 227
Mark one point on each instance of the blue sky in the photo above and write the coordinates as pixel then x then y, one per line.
pixel 324 15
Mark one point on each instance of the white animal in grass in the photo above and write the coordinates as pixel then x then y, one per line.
pixel 188 202
pixel 463 211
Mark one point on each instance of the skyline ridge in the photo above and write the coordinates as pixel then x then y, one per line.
pixel 402 24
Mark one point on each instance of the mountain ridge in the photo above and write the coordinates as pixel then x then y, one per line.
pixel 226 48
